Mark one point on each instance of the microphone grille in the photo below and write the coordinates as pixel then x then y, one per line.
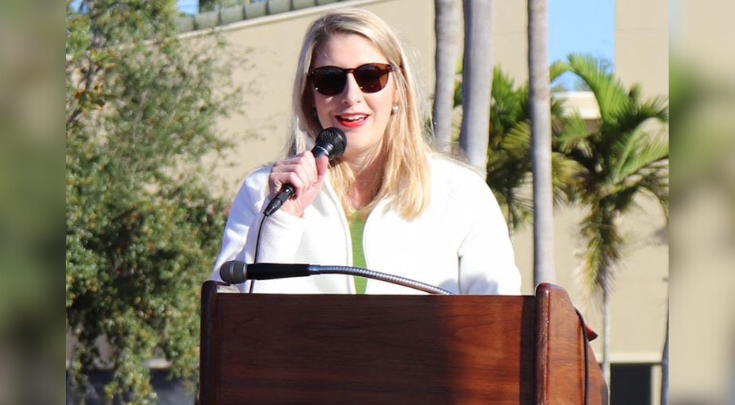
pixel 332 140
pixel 233 272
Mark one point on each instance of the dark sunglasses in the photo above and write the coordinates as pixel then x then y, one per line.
pixel 331 80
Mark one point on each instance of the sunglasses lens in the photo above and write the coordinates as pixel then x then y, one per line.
pixel 372 78
pixel 329 81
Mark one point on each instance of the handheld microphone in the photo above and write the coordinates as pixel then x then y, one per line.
pixel 237 272
pixel 330 142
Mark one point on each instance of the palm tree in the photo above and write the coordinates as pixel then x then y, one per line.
pixel 477 80
pixel 509 147
pixel 618 161
pixel 540 101
pixel 446 27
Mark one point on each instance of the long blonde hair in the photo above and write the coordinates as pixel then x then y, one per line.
pixel 405 169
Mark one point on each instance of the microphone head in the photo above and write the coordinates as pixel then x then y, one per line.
pixel 233 272
pixel 332 142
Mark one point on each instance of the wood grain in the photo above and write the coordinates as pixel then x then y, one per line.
pixel 560 370
pixel 338 349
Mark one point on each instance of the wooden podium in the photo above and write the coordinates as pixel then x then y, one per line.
pixel 373 349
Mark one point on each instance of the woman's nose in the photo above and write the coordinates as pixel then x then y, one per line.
pixel 352 93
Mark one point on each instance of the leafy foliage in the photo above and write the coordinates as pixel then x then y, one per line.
pixel 509 148
pixel 141 227
pixel 618 161
pixel 210 5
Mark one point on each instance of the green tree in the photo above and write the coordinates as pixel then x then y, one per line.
pixel 619 160
pixel 141 228
pixel 212 5
pixel 509 148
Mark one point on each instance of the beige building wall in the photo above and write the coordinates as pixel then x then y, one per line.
pixel 642 44
pixel 702 321
pixel 642 56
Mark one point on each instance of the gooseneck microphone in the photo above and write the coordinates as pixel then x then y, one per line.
pixel 237 272
pixel 330 142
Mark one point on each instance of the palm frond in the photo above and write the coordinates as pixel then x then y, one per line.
pixel 457 98
pixel 633 115
pixel 517 209
pixel 557 69
pixel 557 107
pixel 640 157
pixel 564 177
pixel 619 147
pixel 574 135
pixel 655 181
pixel 630 133
pixel 603 246
pixel 507 105
pixel 609 93
pixel 634 94
pixel 517 142
pixel 656 107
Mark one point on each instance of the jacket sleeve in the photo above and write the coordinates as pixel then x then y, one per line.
pixel 280 236
pixel 486 257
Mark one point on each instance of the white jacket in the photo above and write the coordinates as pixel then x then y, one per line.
pixel 460 243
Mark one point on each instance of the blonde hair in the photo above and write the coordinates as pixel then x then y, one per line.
pixel 405 169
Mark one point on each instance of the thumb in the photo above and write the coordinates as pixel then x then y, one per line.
pixel 322 165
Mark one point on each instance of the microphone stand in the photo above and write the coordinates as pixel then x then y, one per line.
pixel 236 272
pixel 376 275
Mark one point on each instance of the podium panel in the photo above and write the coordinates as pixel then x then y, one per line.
pixel 370 349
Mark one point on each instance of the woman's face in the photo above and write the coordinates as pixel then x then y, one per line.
pixel 362 116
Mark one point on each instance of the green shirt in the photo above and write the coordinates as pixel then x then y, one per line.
pixel 357 228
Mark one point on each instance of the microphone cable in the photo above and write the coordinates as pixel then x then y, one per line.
pixel 257 249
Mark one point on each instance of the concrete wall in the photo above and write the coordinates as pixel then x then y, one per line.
pixel 642 44
pixel 702 301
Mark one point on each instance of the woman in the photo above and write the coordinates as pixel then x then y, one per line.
pixel 389 203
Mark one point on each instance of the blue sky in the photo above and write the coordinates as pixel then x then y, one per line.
pixel 581 26
pixel 188 6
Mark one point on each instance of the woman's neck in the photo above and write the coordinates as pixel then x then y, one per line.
pixel 368 178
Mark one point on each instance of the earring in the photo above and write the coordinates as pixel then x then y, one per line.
pixel 394 109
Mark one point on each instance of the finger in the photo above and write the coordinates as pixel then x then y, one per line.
pixel 296 182
pixel 304 175
pixel 281 175
pixel 322 165
pixel 309 163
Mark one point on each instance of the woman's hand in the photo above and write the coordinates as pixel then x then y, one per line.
pixel 305 174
